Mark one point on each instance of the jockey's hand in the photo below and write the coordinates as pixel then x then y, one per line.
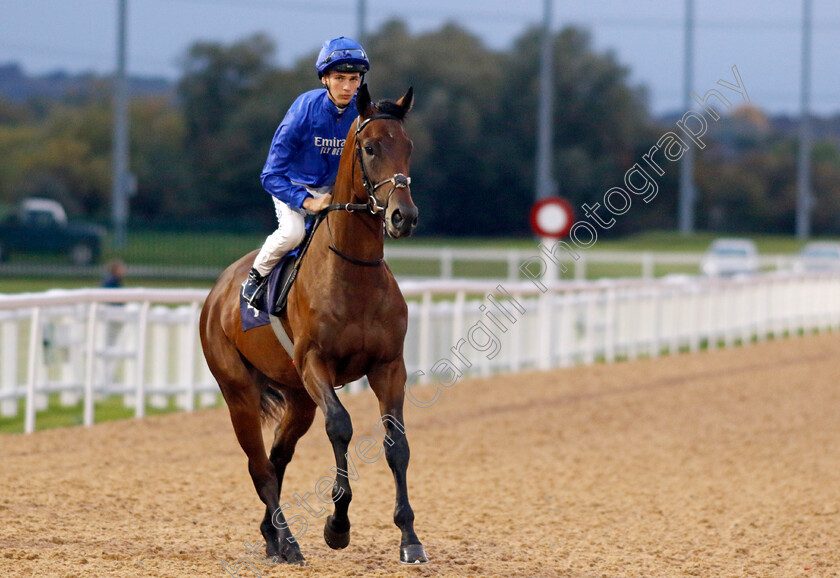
pixel 316 205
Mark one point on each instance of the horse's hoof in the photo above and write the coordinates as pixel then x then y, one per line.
pixel 289 554
pixel 290 560
pixel 413 554
pixel 335 540
pixel 293 557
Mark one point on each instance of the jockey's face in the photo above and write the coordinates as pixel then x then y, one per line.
pixel 341 86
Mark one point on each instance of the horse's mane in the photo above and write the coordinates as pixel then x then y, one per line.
pixel 390 107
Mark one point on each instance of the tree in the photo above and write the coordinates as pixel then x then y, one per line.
pixel 159 159
pixel 218 87
pixel 475 123
pixel 452 73
pixel 601 123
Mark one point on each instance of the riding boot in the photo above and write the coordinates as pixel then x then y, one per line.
pixel 253 289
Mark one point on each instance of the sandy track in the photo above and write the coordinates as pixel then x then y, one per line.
pixel 716 464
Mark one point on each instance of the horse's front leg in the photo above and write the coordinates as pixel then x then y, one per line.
pixel 319 379
pixel 388 383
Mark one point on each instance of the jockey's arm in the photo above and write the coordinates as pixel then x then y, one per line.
pixel 318 204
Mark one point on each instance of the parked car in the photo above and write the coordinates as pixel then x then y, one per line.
pixel 728 257
pixel 818 256
pixel 41 226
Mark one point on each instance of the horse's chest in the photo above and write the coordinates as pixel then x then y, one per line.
pixel 363 333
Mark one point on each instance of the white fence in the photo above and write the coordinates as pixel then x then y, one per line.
pixel 446 258
pixel 585 322
pixel 95 343
pixel 84 344
pixel 446 261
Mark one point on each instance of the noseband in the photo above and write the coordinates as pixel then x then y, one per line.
pixel 398 181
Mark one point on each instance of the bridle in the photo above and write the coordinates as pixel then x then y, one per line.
pixel 398 181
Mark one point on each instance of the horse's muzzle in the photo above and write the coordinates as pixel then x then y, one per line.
pixel 401 221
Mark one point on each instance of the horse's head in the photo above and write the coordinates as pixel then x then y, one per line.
pixel 384 151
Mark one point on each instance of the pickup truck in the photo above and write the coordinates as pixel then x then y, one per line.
pixel 41 226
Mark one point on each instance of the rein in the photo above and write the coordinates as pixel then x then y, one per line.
pixel 398 181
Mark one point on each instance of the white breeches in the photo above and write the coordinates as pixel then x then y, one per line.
pixel 289 234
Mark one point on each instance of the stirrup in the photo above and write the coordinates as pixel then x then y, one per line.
pixel 253 288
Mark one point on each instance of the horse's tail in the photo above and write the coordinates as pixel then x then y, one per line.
pixel 272 402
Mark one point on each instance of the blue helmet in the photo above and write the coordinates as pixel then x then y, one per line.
pixel 342 54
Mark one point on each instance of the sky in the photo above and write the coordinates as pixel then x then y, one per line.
pixel 761 37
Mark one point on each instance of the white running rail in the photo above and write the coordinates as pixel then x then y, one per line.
pixel 143 343
pixel 640 263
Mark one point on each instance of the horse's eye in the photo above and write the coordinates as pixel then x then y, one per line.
pixel 369 150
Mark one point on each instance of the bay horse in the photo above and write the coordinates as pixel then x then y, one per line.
pixel 347 318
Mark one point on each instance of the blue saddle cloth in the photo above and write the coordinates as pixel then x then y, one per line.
pixel 253 317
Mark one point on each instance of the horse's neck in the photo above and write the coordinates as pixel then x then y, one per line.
pixel 357 235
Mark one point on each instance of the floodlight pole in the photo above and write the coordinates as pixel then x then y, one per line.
pixel 119 205
pixel 362 17
pixel 546 187
pixel 688 194
pixel 804 200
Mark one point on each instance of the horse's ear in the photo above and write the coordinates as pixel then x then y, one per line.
pixel 363 100
pixel 407 101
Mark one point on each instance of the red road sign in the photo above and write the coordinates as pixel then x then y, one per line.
pixel 552 217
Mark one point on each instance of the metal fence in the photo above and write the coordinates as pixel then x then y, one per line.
pixel 143 343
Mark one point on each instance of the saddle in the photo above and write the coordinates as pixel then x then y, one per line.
pixel 279 283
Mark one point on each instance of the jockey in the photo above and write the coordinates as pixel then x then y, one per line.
pixel 303 160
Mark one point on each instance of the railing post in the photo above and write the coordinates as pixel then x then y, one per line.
pixel 592 297
pixel 580 269
pixel 676 299
pixel 730 313
pixel 648 265
pixel 159 354
pixel 695 308
pixel 66 335
pixel 190 342
pixel 516 340
pixel 545 316
pixel 834 287
pixel 32 368
pixel 425 336
pixel 446 263
pixel 140 391
pixel 9 367
pixel 765 312
pixel 90 345
pixel 656 327
pixel 458 316
pixel 513 265
pixel 790 307
pixel 747 306
pixel 634 320
pixel 610 325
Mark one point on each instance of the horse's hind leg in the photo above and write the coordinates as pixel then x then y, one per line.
pixel 240 386
pixel 388 384
pixel 298 413
pixel 244 405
